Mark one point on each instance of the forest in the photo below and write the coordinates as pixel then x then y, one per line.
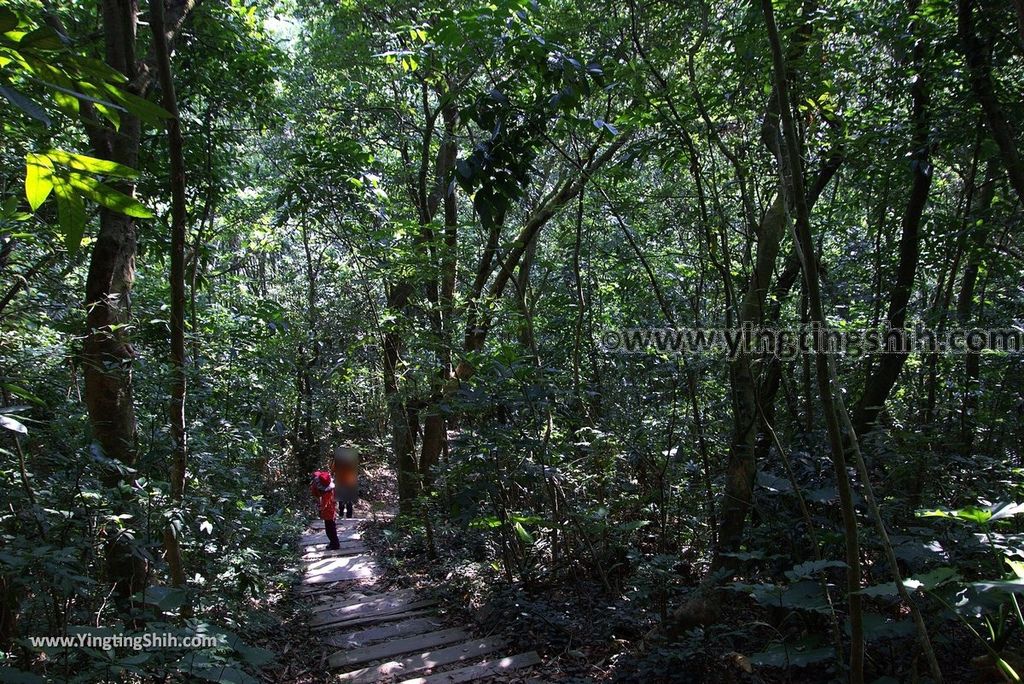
pixel 680 341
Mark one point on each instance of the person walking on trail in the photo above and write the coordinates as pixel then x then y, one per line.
pixel 346 474
pixel 322 487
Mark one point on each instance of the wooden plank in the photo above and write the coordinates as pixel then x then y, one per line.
pixel 344 568
pixel 369 605
pixel 424 661
pixel 396 647
pixel 319 524
pixel 368 609
pixel 391 630
pixel 374 620
pixel 363 598
pixel 319 566
pixel 321 537
pixel 486 668
pixel 321 551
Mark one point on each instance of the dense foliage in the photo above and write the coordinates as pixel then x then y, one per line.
pixel 422 227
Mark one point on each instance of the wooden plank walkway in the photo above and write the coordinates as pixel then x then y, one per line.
pixel 388 636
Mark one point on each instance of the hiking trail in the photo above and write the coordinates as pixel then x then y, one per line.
pixel 372 635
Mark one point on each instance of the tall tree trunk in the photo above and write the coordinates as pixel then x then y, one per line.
pixel 802 236
pixel 435 423
pixel 741 466
pixel 179 435
pixel 310 362
pixel 978 236
pixel 979 69
pixel 107 354
pixel 880 383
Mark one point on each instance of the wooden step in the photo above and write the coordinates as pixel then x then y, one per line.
pixel 392 630
pixel 343 568
pixel 356 599
pixel 375 619
pixel 343 616
pixel 318 551
pixel 321 538
pixel 320 566
pixel 424 661
pixel 396 647
pixel 371 605
pixel 319 524
pixel 486 668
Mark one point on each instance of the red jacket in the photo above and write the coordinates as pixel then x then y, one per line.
pixel 328 507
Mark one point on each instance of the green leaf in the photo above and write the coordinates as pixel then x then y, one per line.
pixel 810 568
pixel 70 213
pixel 108 197
pixel 26 105
pixel 22 393
pixel 92 164
pixel 522 533
pixel 1011 585
pixel 782 656
pixel 977 514
pixel 13 425
pixel 42 38
pixel 878 590
pixel 164 598
pixel 38 179
pixel 932 580
pixel 139 106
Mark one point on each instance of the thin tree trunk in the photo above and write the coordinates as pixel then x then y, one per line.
pixel 179 435
pixel 979 69
pixel 881 382
pixel 802 236
pixel 965 308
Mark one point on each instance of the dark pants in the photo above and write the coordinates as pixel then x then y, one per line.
pixel 331 528
pixel 347 496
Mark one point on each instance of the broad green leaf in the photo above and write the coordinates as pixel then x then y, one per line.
pixel 977 514
pixel 92 164
pixel 811 568
pixel 13 425
pixel 164 598
pixel 1010 585
pixel 525 536
pixel 22 393
pixel 26 105
pixel 110 114
pixel 77 94
pixel 108 197
pixel 932 579
pixel 139 106
pixel 38 179
pixel 1005 509
pixel 70 213
pixel 783 656
pixel 42 38
pixel 102 71
pixel 878 590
